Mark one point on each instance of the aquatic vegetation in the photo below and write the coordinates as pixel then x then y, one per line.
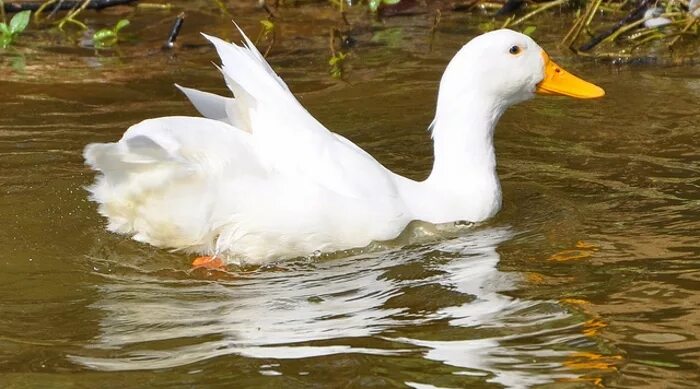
pixel 109 36
pixel 337 57
pixel 644 28
pixel 267 33
pixel 73 8
pixel 374 4
pixel 619 30
pixel 529 30
pixel 336 64
pixel 9 31
pixel 70 17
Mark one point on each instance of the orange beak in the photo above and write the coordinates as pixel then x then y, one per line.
pixel 558 81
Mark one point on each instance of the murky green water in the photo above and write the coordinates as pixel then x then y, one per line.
pixel 589 276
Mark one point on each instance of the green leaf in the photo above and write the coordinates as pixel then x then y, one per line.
pixel 336 63
pixel 4 30
pixel 267 25
pixel 5 41
pixel 336 59
pixel 529 30
pixel 391 2
pixel 103 35
pixel 374 5
pixel 19 22
pixel 121 24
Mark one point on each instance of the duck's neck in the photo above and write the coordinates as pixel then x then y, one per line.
pixel 463 184
pixel 463 141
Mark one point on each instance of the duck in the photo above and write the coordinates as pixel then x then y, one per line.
pixel 258 179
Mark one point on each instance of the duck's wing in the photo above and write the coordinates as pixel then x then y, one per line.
pixel 287 138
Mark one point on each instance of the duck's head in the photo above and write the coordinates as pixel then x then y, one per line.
pixel 509 67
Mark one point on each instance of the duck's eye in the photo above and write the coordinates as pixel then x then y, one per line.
pixel 515 50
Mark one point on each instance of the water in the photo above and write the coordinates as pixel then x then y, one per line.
pixel 588 276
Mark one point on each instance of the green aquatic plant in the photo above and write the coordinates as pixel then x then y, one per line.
pixel 70 17
pixel 337 57
pixel 268 28
pixel 529 30
pixel 109 36
pixel 642 30
pixel 336 64
pixel 374 4
pixel 267 33
pixel 9 31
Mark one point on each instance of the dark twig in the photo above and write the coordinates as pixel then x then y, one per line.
pixel 65 5
pixel 269 11
pixel 331 41
pixel 174 31
pixel 433 29
pixel 631 17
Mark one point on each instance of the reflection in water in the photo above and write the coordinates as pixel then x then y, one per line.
pixel 310 309
pixel 474 272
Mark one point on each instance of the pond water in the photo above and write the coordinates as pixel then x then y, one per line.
pixel 589 276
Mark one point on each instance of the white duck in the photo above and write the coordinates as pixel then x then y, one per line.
pixel 259 178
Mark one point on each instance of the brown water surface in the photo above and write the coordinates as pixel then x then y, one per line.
pixel 589 276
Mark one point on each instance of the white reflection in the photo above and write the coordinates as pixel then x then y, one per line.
pixel 257 317
pixel 335 307
pixel 475 272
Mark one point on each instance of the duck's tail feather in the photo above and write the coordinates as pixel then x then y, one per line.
pixel 249 77
pixel 246 72
pixel 211 106
pixel 286 135
pixel 226 109
pixel 158 183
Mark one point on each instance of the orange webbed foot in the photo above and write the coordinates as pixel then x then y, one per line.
pixel 209 262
